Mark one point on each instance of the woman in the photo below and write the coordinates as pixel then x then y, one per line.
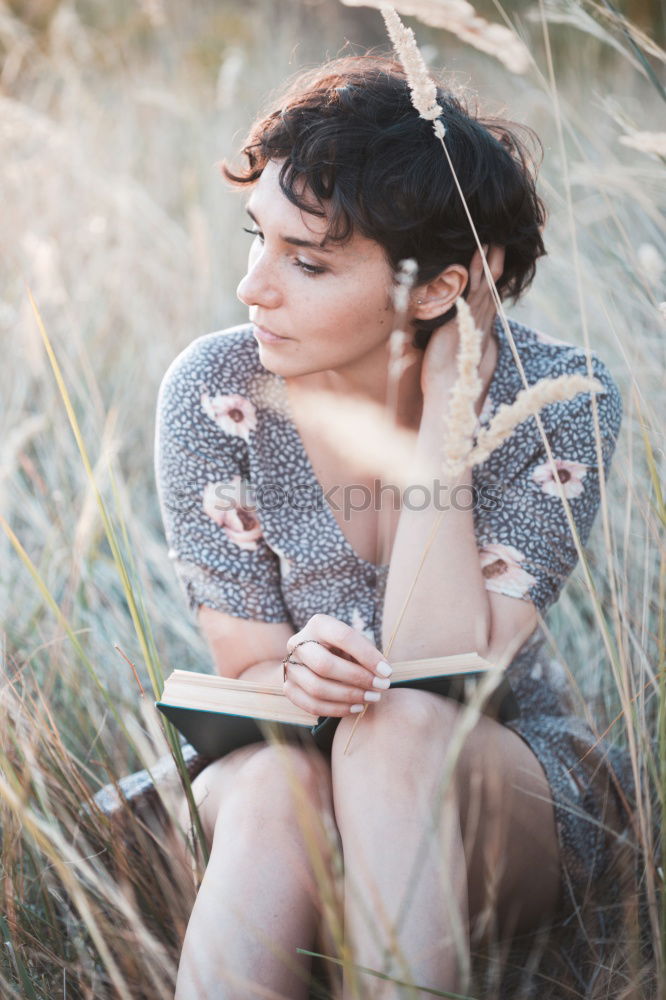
pixel 345 181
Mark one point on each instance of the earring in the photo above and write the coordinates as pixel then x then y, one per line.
pixel 419 302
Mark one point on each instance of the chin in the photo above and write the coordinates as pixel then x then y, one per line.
pixel 286 367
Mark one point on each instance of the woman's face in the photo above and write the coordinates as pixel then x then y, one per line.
pixel 333 305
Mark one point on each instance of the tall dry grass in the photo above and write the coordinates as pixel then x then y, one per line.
pixel 115 218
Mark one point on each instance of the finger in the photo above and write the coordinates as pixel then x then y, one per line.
pixel 314 706
pixel 476 270
pixel 334 632
pixel 323 662
pixel 496 262
pixel 324 689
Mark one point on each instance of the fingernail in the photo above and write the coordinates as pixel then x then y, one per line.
pixel 357 708
pixel 381 682
pixel 372 696
pixel 384 669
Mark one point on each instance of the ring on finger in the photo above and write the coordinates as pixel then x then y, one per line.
pixel 288 659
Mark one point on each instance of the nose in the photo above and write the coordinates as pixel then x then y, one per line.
pixel 258 287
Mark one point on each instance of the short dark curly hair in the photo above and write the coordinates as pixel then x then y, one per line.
pixel 348 129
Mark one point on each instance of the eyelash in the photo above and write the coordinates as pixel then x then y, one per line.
pixel 309 269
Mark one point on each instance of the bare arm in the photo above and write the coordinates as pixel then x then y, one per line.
pixel 448 611
pixel 266 672
pixel 241 647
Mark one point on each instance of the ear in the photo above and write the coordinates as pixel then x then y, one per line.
pixel 437 297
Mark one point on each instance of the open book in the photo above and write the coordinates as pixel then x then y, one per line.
pixel 219 714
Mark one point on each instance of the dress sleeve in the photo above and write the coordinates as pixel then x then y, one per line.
pixel 214 535
pixel 526 546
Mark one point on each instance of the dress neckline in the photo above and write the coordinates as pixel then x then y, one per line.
pixel 491 403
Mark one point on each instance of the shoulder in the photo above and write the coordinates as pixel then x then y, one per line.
pixel 571 421
pixel 222 362
pixel 211 392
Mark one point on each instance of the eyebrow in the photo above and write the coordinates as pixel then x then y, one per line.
pixel 294 240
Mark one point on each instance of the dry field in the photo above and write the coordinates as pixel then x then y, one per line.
pixel 115 220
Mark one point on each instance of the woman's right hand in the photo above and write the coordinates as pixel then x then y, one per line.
pixel 336 677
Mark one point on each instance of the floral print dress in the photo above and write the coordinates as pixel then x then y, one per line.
pixel 250 533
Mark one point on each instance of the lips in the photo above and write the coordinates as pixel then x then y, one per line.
pixel 264 329
pixel 266 334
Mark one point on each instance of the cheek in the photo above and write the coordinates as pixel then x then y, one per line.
pixel 359 304
pixel 375 290
pixel 366 311
pixel 377 302
pixel 369 293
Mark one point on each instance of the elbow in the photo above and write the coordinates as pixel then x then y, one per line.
pixel 459 637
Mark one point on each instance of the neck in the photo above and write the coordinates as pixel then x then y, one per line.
pixel 368 379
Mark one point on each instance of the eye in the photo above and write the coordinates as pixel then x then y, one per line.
pixel 309 268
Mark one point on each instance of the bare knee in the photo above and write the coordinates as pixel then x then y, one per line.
pixel 211 785
pixel 395 761
pixel 401 713
pixel 279 776
pixel 275 782
pixel 407 732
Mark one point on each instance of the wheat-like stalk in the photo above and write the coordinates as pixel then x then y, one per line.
pixel 460 418
pixel 399 341
pixel 527 403
pixel 421 84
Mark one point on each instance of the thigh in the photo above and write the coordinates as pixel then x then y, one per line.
pixel 509 831
pixel 496 785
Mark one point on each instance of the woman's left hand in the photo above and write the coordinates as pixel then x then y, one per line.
pixel 439 369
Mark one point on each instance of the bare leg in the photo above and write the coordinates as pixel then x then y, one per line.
pixel 494 849
pixel 258 900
